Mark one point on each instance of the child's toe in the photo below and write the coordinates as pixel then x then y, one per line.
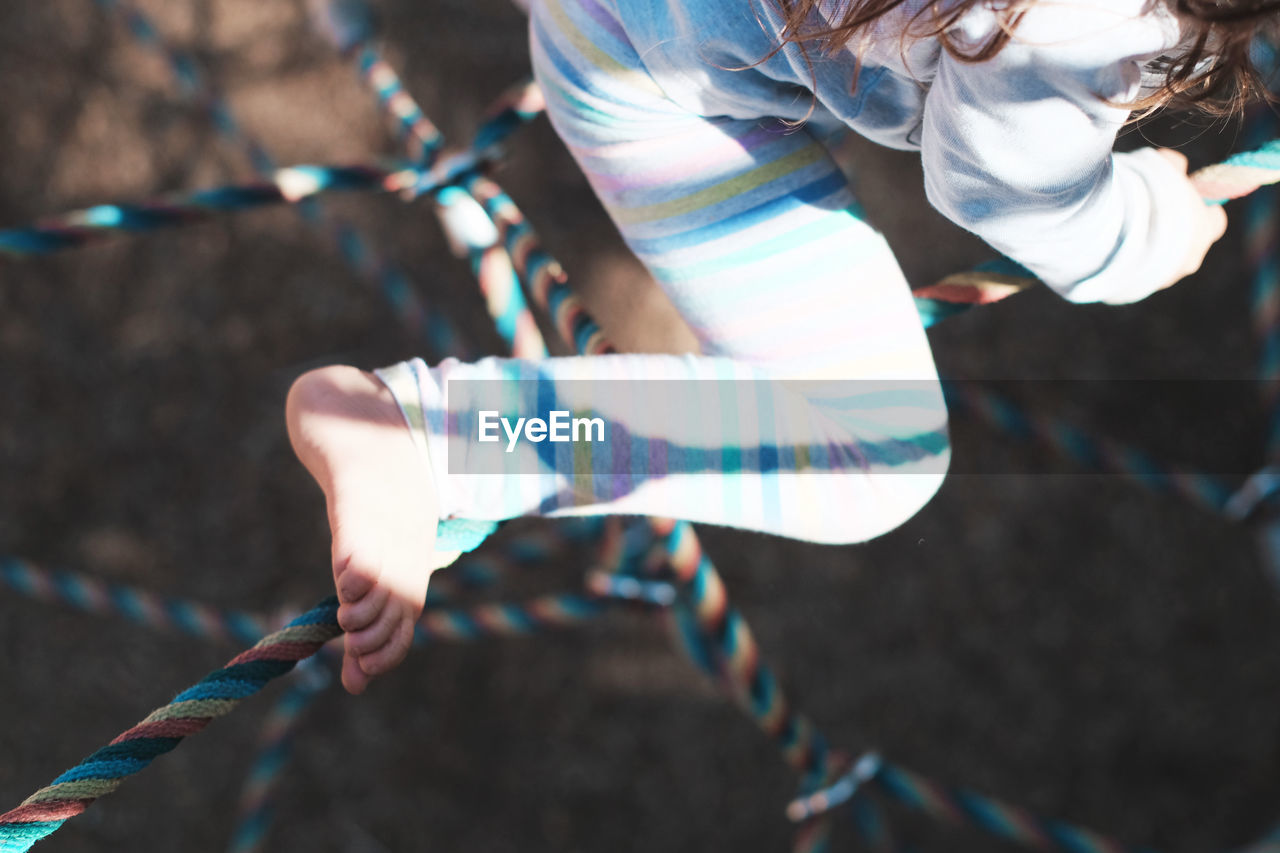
pixel 354 679
pixel 360 614
pixel 376 635
pixel 354 577
pixel 392 652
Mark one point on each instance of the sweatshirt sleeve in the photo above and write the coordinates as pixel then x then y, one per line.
pixel 1017 149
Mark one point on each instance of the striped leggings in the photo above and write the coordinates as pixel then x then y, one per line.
pixel 814 411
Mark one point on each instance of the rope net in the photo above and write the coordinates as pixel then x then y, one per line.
pixel 658 564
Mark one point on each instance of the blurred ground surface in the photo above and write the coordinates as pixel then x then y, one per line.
pixel 1069 642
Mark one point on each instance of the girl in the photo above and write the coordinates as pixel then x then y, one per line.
pixel 702 125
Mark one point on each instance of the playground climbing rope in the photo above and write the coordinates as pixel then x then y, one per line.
pixel 657 563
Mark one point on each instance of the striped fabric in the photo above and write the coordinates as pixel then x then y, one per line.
pixel 815 412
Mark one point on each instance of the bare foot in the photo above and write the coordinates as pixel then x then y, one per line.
pixel 347 430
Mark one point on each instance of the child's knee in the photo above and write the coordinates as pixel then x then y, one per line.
pixel 894 482
pixel 908 492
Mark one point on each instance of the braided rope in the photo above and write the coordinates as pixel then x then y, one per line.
pixel 720 640
pixel 505 619
pixel 290 185
pixel 1102 454
pixel 956 806
pixel 610 584
pixel 471 230
pixel 216 695
pixel 714 634
pixel 965 808
pixel 478 570
pixel 222 690
pixel 461 577
pixel 1237 176
pixel 871 824
pixel 355 249
pixel 696 577
pixel 1261 256
pixel 541 274
pixel 715 625
pixel 420 138
pixel 1263 262
pixel 349 26
pixel 283 186
pixel 275 746
pixel 986 284
pixel 139 606
pixel 1256 498
pixel 1240 174
pixel 475 234
pixel 192 84
pixel 733 643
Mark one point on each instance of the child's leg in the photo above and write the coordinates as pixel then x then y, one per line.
pixel 753 233
pixel 751 229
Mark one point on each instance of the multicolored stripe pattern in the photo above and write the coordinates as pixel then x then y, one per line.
pixel 505 619
pixel 275 747
pixel 715 634
pixel 216 695
pixel 965 808
pixel 718 640
pixel 491 263
pixel 420 138
pixel 698 594
pixel 1094 452
pixel 745 240
pixel 348 24
pixel 139 606
pixel 191 82
pixel 477 571
pixel 956 806
pixel 1240 174
pixel 283 186
pixel 355 248
pixel 1256 499
pixel 541 274
pixel 1262 256
pixel 1237 176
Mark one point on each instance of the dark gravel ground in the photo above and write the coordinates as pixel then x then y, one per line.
pixel 1069 642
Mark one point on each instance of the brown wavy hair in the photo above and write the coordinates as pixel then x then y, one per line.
pixel 1214 73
